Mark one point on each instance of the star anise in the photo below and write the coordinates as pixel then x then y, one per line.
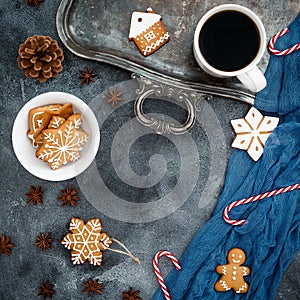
pixel 68 196
pixel 46 290
pixel 131 295
pixel 34 2
pixel 87 76
pixel 92 286
pixel 5 245
pixel 114 97
pixel 35 195
pixel 43 241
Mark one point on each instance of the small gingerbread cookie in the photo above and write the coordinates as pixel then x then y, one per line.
pixel 40 117
pixel 63 144
pixel 55 122
pixel 86 241
pixel 148 31
pixel 233 273
pixel 35 117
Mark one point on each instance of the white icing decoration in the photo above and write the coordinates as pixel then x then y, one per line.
pixel 150 36
pixel 245 272
pixel 156 44
pixel 224 270
pixel 243 287
pixel 146 21
pixel 57 122
pixel 32 140
pixel 224 285
pixel 39 122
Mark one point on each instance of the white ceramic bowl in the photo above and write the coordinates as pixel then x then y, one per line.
pixel 26 153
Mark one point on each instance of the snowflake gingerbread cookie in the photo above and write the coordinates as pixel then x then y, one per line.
pixel 233 273
pixel 252 132
pixel 87 242
pixel 63 144
pixel 148 31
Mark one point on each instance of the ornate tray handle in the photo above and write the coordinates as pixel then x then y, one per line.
pixel 150 87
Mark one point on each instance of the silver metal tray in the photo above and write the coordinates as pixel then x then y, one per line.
pixel 98 30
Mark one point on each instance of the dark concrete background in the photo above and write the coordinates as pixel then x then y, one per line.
pixel 28 267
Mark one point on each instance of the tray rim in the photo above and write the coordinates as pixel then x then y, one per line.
pixel 66 38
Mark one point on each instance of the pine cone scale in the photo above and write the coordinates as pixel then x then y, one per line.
pixel 33 73
pixel 38 66
pixel 29 51
pixel 46 68
pixel 55 64
pixel 24 63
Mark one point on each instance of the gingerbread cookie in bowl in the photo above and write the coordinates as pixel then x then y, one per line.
pixel 25 150
pixel 40 117
pixel 62 145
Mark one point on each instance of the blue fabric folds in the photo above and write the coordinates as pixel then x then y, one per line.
pixel 271 237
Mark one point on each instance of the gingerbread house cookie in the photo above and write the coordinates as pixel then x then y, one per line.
pixel 148 31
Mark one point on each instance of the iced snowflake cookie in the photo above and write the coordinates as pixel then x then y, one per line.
pixel 252 132
pixel 232 274
pixel 63 144
pixel 40 117
pixel 87 242
pixel 148 31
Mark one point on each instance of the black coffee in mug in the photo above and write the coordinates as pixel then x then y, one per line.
pixel 229 41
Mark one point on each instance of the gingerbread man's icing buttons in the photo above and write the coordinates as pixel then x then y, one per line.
pixel 232 274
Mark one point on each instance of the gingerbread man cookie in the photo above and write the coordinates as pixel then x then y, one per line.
pixel 233 273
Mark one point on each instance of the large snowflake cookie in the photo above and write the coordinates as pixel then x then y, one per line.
pixel 63 144
pixel 148 31
pixel 232 274
pixel 86 241
pixel 252 132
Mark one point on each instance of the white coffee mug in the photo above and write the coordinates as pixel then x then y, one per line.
pixel 249 75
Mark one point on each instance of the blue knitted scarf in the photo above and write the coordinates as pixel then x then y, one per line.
pixel 271 237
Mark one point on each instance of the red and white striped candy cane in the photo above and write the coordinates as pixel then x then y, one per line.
pixel 158 273
pixel 281 52
pixel 253 199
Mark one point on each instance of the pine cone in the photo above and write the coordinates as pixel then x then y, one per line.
pixel 40 57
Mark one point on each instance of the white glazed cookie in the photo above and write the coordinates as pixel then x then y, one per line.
pixel 148 31
pixel 252 132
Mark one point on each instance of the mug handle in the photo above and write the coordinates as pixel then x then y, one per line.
pixel 254 79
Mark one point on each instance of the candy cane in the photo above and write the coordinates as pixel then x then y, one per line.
pixel 252 199
pixel 281 52
pixel 158 273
